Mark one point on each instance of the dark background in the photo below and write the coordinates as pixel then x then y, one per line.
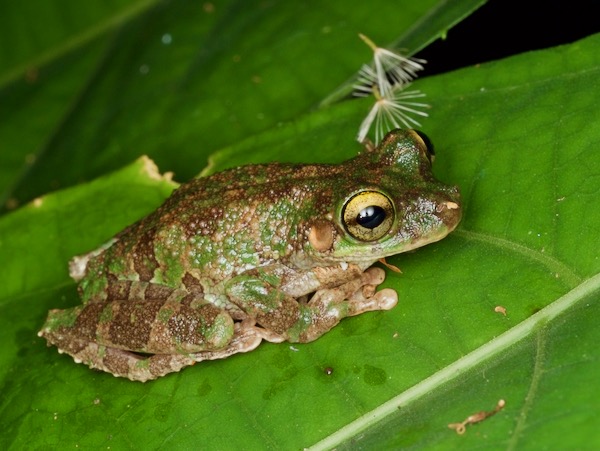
pixel 501 28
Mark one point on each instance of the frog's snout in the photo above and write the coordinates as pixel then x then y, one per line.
pixel 449 212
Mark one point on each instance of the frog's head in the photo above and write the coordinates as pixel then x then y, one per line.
pixel 391 204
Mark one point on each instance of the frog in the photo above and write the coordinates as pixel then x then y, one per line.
pixel 276 252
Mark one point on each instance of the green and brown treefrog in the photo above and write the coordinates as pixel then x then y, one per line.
pixel 276 252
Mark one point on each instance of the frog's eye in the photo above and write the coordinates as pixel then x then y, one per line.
pixel 427 145
pixel 368 215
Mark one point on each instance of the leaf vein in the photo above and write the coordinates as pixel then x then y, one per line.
pixel 555 266
pixel 538 370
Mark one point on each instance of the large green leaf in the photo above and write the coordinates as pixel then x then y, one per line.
pixel 514 135
pixel 177 79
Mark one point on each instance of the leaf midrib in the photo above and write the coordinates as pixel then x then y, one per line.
pixel 534 324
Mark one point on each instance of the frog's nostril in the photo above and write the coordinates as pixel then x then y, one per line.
pixel 444 206
pixel 449 213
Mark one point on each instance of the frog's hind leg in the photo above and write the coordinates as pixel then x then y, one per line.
pixel 141 368
pixel 137 367
pixel 119 362
pixel 328 306
pixel 140 340
pixel 144 367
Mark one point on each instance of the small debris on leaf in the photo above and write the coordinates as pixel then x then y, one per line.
pixel 460 428
pixel 390 266
pixel 500 309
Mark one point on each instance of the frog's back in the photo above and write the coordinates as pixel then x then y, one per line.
pixel 213 228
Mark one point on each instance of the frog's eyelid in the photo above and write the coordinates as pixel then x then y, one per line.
pixel 427 144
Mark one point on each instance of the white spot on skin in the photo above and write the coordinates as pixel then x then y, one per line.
pixel 344 266
pixel 78 264
pixel 77 267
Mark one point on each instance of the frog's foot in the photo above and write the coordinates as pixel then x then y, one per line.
pixel 137 367
pixel 121 363
pixel 247 336
pixel 358 295
pixel 327 307
pixel 366 299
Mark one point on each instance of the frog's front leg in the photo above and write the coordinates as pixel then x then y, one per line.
pixel 287 319
pixel 330 305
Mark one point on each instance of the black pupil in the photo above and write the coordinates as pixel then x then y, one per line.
pixel 371 216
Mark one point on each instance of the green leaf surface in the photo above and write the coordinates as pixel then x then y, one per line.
pixel 513 134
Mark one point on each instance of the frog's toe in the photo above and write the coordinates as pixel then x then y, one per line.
pixel 373 276
pixel 386 299
pixel 365 300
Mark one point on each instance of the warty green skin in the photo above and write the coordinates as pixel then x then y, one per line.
pixel 228 260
